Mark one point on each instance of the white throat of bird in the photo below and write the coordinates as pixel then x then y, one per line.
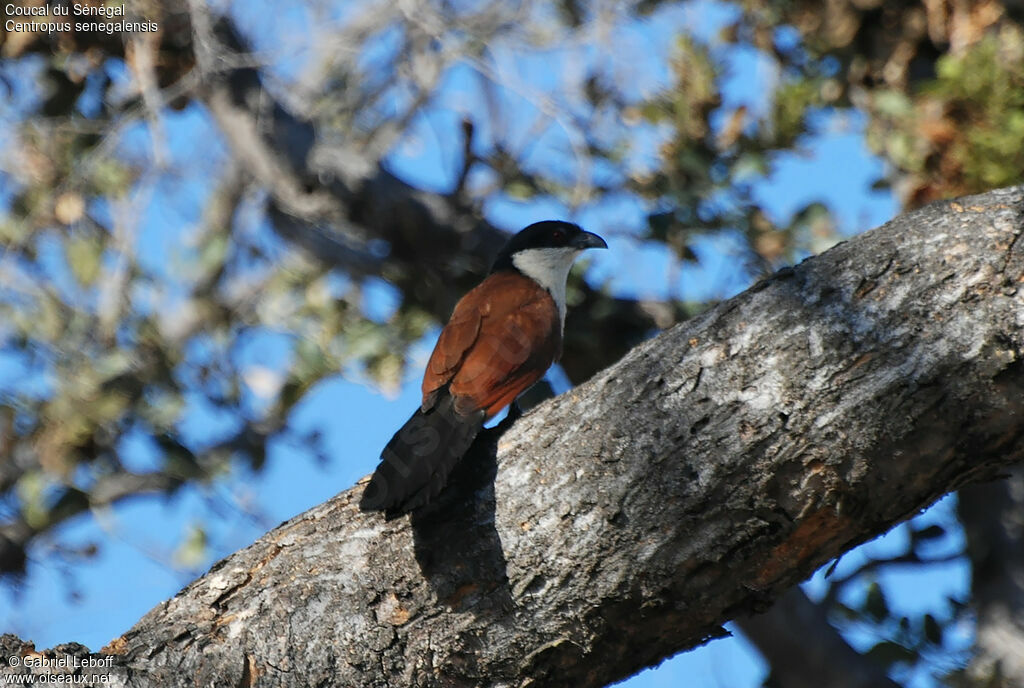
pixel 548 267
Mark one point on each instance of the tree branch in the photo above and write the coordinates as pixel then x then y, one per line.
pixel 710 470
pixel 993 517
pixel 805 651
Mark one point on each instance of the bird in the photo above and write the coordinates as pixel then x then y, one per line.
pixel 501 338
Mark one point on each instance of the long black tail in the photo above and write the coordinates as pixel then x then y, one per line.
pixel 416 462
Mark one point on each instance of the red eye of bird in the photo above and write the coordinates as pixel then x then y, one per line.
pixel 557 234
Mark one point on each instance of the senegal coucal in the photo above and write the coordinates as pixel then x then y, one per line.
pixel 501 338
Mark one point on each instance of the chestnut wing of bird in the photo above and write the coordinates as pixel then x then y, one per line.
pixel 500 340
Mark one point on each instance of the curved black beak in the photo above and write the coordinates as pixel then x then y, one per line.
pixel 588 240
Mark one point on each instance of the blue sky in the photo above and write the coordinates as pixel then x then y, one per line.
pixel 136 567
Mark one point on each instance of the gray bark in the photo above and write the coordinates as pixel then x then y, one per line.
pixel 710 470
pixel 993 517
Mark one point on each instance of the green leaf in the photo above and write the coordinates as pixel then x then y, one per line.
pixel 310 362
pixel 192 550
pixel 889 653
pixel 12 231
pixel 31 489
pixel 212 253
pixel 107 408
pixel 892 103
pixel 111 178
pixel 84 256
pixel 875 604
pixel 519 190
